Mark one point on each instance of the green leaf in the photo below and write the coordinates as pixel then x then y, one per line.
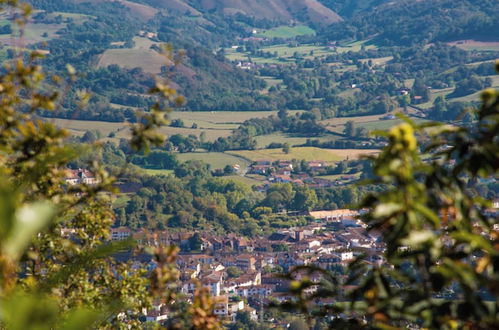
pixel 82 319
pixel 418 238
pixel 386 209
pixel 28 221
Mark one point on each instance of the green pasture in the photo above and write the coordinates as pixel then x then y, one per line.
pixel 157 172
pixel 245 179
pixel 286 32
pixel 264 140
pixel 121 130
pixel 306 153
pixel 215 159
pixel 286 53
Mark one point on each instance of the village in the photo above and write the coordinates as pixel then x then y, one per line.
pixel 244 274
pixel 282 171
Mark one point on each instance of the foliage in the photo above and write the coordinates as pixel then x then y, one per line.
pixel 441 246
pixel 56 265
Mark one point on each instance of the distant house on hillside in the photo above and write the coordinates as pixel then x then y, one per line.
pixel 80 176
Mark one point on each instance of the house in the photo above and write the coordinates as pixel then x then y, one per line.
pixel 285 164
pixel 120 233
pixel 246 262
pixel 249 279
pixel 80 176
pixel 317 165
pixel 280 178
pixel 262 290
pixel 261 169
pixel 221 306
pixel 157 313
pixel 214 286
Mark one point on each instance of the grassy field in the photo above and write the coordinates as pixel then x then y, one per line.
pixel 264 140
pixel 121 130
pixel 370 123
pixel 338 176
pixel 286 32
pixel 149 60
pixel 222 117
pixel 285 53
pixel 214 124
pixel 466 98
pixel 472 45
pixel 306 153
pixel 140 56
pixel 245 179
pixel 338 124
pixel 36 32
pixel 381 61
pixel 215 159
pixel 271 81
pixel 385 124
pixel 157 172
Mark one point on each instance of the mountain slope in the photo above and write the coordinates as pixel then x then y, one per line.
pixel 278 10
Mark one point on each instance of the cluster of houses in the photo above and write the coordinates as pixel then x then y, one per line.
pixel 242 273
pixel 282 172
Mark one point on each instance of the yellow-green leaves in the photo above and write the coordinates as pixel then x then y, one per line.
pixel 402 137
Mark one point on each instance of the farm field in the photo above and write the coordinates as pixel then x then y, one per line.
pixel 214 124
pixel 121 130
pixel 271 81
pixel 338 124
pixel 148 60
pixel 157 172
pixel 244 179
pixel 34 33
pixel 385 124
pixel 37 32
pixel 286 32
pixel 381 61
pixel 285 53
pixel 224 117
pixel 264 140
pixel 215 159
pixel 471 45
pixel 338 176
pixel 466 98
pixel 305 153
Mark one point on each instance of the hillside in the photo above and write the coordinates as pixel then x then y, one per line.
pixel 404 22
pixel 276 10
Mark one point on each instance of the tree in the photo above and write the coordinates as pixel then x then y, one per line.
pixel 195 242
pixel 349 128
pixel 286 148
pixel 440 240
pixel 234 272
pixel 47 279
pixel 229 169
pixel 305 199
pixel 177 123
